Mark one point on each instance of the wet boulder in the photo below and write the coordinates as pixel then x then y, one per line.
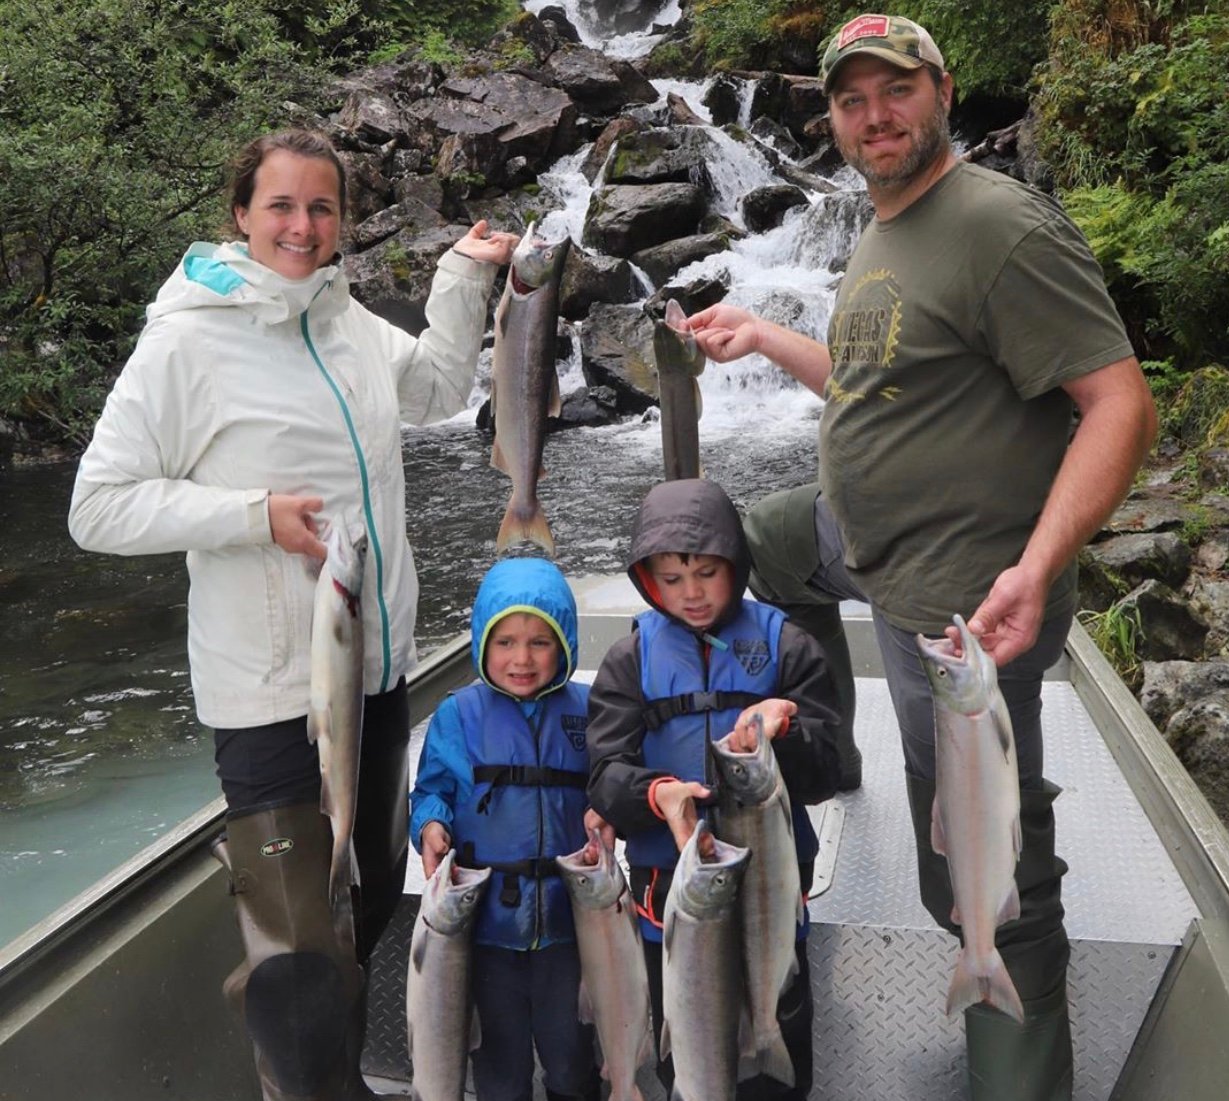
pixel 773 134
pixel 1199 735
pixel 616 348
pixel 597 83
pixel 625 218
pixel 1169 627
pixel 723 98
pixel 693 295
pixel 674 155
pixel 411 215
pixel 1113 567
pixel 368 190
pixel 591 277
pixel 614 17
pixel 556 19
pixel 765 207
pixel 661 262
pixel 1170 686
pixel 604 142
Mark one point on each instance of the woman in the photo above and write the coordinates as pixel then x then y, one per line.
pixel 259 396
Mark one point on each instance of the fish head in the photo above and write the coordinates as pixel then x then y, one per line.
pixel 593 886
pixel 750 776
pixel 965 682
pixel 674 344
pixel 706 886
pixel 537 262
pixel 450 897
pixel 347 555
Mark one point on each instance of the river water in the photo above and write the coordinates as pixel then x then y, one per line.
pixel 100 751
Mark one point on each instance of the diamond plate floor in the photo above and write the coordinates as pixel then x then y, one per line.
pixel 880 965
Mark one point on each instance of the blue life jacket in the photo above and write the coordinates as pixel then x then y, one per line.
pixel 689 702
pixel 527 807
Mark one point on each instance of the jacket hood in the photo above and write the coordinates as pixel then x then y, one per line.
pixel 688 516
pixel 531 585
pixel 225 275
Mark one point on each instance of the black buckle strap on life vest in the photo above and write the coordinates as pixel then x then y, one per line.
pixel 530 776
pixel 512 871
pixel 660 711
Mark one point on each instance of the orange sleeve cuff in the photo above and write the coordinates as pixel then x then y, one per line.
pixel 653 795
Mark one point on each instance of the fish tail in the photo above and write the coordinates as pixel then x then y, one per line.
pixel 774 1060
pixel 525 523
pixel 991 984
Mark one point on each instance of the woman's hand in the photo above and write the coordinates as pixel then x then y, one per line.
pixel 482 243
pixel 293 527
pixel 434 842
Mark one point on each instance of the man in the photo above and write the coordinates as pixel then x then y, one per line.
pixel 970 322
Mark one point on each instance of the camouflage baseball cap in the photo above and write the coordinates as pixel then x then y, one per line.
pixel 900 41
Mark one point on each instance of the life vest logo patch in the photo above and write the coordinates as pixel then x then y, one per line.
pixel 575 726
pixel 276 847
pixel 752 655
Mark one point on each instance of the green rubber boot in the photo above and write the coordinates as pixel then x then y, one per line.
pixel 1009 1061
pixel 299 990
pixel 780 531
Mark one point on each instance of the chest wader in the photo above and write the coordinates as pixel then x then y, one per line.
pixel 1009 1061
pixel 300 991
pixel 780 531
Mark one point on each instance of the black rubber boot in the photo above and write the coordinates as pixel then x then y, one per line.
pixel 300 990
pixel 1009 1061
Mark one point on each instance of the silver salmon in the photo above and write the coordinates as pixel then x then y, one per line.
pixel 754 813
pixel 441 1021
pixel 975 822
pixel 614 982
pixel 524 382
pixel 335 708
pixel 702 989
pixel 679 365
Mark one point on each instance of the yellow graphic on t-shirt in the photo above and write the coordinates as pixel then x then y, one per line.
pixel 866 332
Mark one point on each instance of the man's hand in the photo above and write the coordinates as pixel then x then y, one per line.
pixel 676 799
pixel 434 841
pixel 292 524
pixel 1008 621
pixel 492 247
pixel 776 715
pixel 725 333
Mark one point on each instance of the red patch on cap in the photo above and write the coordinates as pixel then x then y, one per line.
pixel 865 26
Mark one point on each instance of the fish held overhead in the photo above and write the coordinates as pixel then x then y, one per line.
pixel 525 384
pixel 335 709
pixel 975 821
pixel 679 365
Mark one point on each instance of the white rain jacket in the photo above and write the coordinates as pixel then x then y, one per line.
pixel 243 384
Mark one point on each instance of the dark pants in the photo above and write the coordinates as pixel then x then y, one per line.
pixel 262 767
pixel 795 1011
pixel 528 1000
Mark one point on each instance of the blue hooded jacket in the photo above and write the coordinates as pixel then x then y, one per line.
pixel 506 776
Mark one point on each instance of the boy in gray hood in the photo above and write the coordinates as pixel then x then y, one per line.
pixel 695 667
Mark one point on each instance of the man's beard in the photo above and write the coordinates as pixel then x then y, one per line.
pixel 930 142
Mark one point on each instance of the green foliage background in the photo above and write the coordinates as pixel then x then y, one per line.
pixel 117 116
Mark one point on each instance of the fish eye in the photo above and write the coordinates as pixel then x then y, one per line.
pixel 942 671
pixel 583 880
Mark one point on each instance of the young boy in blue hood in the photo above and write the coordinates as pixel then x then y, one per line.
pixel 697 666
pixel 502 780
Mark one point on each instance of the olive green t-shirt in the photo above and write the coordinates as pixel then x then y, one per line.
pixel 955 325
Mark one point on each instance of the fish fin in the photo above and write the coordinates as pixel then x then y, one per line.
pixel 354 874
pixel 800 915
pixel 663 1048
pixel 699 400
pixel 554 403
pixel 1002 726
pixel 645 1053
pixel 774 1060
pixel 1017 836
pixel 937 841
pixel 584 1005
pixel 994 987
pixel 497 458
pixel 475 1032
pixel 518 528
pixel 318 724
pixel 1010 910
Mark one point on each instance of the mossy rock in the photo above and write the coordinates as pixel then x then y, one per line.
pixel 1198 415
